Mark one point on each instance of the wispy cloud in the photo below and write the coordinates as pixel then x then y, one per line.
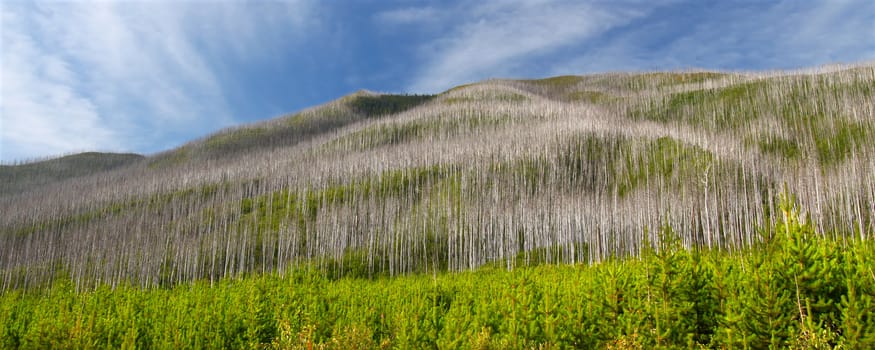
pixel 551 37
pixel 146 76
pixel 505 38
pixel 407 15
pixel 117 76
pixel 39 107
pixel 736 35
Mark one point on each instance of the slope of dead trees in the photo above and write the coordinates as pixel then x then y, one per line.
pixel 566 169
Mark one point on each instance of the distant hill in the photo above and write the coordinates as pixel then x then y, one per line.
pixel 291 130
pixel 504 172
pixel 20 178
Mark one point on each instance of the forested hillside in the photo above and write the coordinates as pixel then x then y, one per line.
pixel 571 169
pixel 619 210
pixel 27 176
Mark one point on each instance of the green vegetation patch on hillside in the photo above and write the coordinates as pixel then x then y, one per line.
pixel 486 97
pixel 393 133
pixel 153 203
pixel 236 137
pixel 623 165
pixel 266 214
pixel 666 160
pixel 389 183
pixel 720 109
pixel 591 96
pixel 378 105
pixel 779 146
pixel 560 82
pixel 170 158
pixel 836 144
pixel 811 108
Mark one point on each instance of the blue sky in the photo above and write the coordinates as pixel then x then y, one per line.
pixel 148 76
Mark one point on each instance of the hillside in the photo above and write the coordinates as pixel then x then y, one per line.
pixel 23 177
pixel 505 172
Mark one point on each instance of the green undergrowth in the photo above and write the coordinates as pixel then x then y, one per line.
pixel 399 133
pixel 288 132
pixel 429 195
pixel 811 109
pixel 614 163
pixel 236 137
pixel 836 144
pixel 628 164
pixel 665 159
pixel 833 141
pixel 832 145
pixel 265 214
pixel 378 105
pixel 794 289
pixel 560 82
pixel 587 162
pixel 170 159
pixel 308 202
pixel 779 146
pixel 152 203
pixel 486 97
pixel 724 108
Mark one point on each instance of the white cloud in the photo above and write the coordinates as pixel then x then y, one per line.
pixel 123 76
pixel 789 34
pixel 416 15
pixel 499 38
pixel 552 37
pixel 41 113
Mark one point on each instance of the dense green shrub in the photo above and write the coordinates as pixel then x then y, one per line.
pixel 387 104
